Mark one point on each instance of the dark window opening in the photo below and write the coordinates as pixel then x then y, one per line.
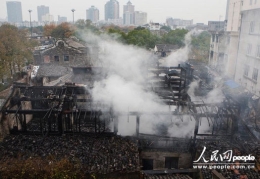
pixel 213 38
pixel 246 70
pixel 171 162
pixel 163 54
pixel 56 58
pixel 211 54
pixel 255 74
pixel 147 164
pixel 66 58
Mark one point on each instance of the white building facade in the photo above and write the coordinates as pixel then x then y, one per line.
pixel 128 13
pixel 243 48
pixel 140 18
pixel 248 56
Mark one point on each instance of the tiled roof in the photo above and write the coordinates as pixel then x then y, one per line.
pixel 52 71
pixel 169 176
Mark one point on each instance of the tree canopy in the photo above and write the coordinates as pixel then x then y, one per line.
pixel 64 30
pixel 143 37
pixel 200 46
pixel 175 37
pixel 15 49
pixel 167 28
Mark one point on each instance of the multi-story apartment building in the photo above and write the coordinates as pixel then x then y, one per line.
pixel 93 14
pixel 140 18
pixel 217 57
pixel 233 19
pixel 62 19
pixel 177 23
pixel 14 11
pixel 42 11
pixel 128 15
pixel 112 10
pixel 248 57
pixel 243 43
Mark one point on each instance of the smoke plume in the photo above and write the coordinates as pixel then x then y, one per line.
pixel 124 87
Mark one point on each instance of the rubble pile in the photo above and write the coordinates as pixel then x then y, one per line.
pixel 238 150
pixel 238 174
pixel 169 176
pixel 97 154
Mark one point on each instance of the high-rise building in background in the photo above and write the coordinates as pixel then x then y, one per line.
pixel 47 18
pixel 178 22
pixel 42 11
pixel 14 11
pixel 112 10
pixel 128 13
pixel 92 14
pixel 140 18
pixel 62 19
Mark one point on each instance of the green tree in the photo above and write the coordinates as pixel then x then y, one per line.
pixel 167 28
pixel 116 33
pixel 47 29
pixel 175 37
pixel 200 46
pixel 85 25
pixel 141 37
pixel 15 49
pixel 64 30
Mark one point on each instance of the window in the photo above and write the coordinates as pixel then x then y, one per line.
pixel 56 58
pixel 147 164
pixel 255 1
pixel 213 38
pixel 249 49
pixel 171 162
pixel 217 38
pixel 258 51
pixel 251 1
pixel 252 27
pixel 66 58
pixel 228 40
pixel 255 74
pixel 211 54
pixel 246 70
pixel 46 59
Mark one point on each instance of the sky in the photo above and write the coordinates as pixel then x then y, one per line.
pixel 201 11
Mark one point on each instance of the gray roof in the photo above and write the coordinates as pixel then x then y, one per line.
pixel 72 43
pixel 52 71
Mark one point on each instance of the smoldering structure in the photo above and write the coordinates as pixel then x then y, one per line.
pixel 69 109
pixel 168 113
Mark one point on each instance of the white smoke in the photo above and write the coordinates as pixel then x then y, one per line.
pixel 124 88
pixel 182 54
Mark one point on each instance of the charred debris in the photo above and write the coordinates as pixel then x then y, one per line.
pixel 38 115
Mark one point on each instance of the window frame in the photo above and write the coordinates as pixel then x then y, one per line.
pixel 246 70
pixel 56 58
pixel 255 74
pixel 66 58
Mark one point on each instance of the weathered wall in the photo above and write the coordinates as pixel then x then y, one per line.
pixel 63 55
pixel 159 159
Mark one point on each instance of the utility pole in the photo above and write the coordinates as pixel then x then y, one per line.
pixel 30 21
pixel 73 10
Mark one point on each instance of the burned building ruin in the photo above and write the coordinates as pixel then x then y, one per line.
pixel 70 110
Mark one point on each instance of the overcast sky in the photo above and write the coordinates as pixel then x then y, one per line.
pixel 157 10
